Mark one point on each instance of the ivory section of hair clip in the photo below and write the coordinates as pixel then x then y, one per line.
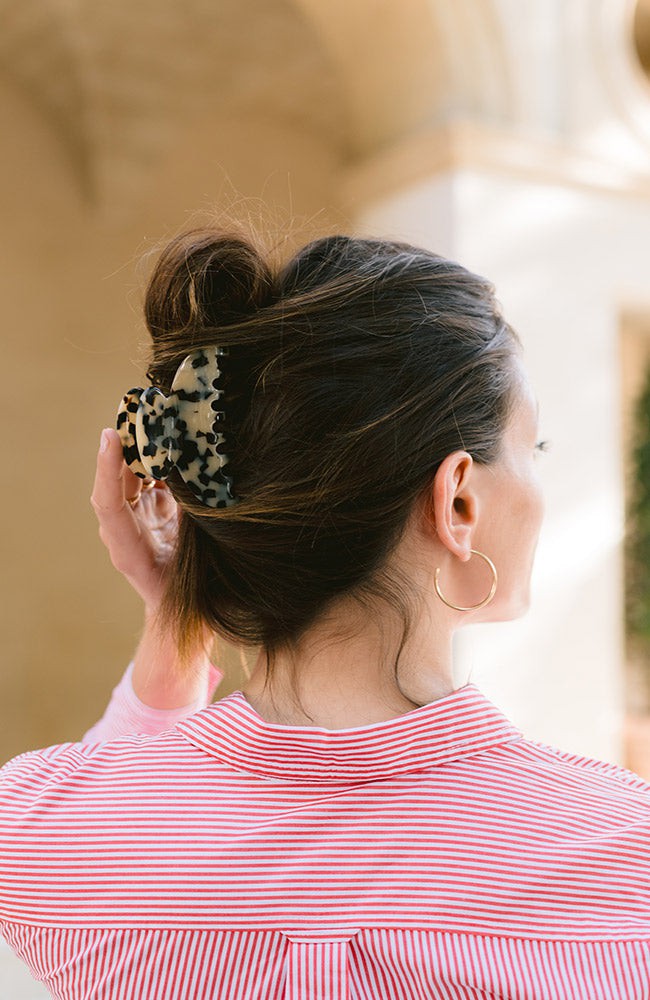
pixel 197 394
pixel 125 424
pixel 155 433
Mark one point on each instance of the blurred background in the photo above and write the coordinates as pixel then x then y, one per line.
pixel 511 135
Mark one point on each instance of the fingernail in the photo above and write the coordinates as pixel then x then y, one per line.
pixel 103 445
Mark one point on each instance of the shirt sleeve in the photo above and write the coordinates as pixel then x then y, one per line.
pixel 126 715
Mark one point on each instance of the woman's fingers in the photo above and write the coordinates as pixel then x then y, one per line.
pixel 113 478
pixel 139 538
pixel 119 528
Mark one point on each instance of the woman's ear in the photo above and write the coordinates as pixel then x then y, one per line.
pixel 452 504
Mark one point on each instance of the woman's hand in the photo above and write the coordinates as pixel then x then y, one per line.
pixel 140 537
pixel 140 540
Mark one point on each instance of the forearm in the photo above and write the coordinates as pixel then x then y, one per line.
pixel 150 697
pixel 157 679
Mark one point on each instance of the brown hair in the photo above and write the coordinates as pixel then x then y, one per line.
pixel 354 369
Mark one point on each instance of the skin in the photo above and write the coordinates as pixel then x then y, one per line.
pixel 497 509
pixel 344 664
pixel 140 541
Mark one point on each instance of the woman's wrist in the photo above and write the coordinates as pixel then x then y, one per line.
pixel 157 679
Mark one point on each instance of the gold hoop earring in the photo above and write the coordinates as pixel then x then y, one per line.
pixel 474 607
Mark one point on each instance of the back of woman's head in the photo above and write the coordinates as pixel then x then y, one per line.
pixel 352 371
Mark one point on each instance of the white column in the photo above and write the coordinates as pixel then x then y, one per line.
pixel 565 259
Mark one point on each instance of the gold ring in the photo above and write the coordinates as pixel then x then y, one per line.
pixel 149 485
pixel 132 500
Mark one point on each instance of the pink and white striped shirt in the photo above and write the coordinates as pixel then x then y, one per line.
pixel 439 855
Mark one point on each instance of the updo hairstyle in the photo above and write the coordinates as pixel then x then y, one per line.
pixel 353 370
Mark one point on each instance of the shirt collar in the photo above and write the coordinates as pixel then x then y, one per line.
pixel 458 725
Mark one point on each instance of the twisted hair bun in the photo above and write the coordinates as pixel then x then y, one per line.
pixel 204 280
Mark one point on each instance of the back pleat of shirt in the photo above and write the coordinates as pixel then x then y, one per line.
pixel 374 964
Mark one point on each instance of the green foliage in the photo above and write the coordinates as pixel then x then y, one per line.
pixel 637 537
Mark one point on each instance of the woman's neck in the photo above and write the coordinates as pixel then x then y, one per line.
pixel 344 685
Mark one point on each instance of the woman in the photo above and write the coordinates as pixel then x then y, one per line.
pixel 335 463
